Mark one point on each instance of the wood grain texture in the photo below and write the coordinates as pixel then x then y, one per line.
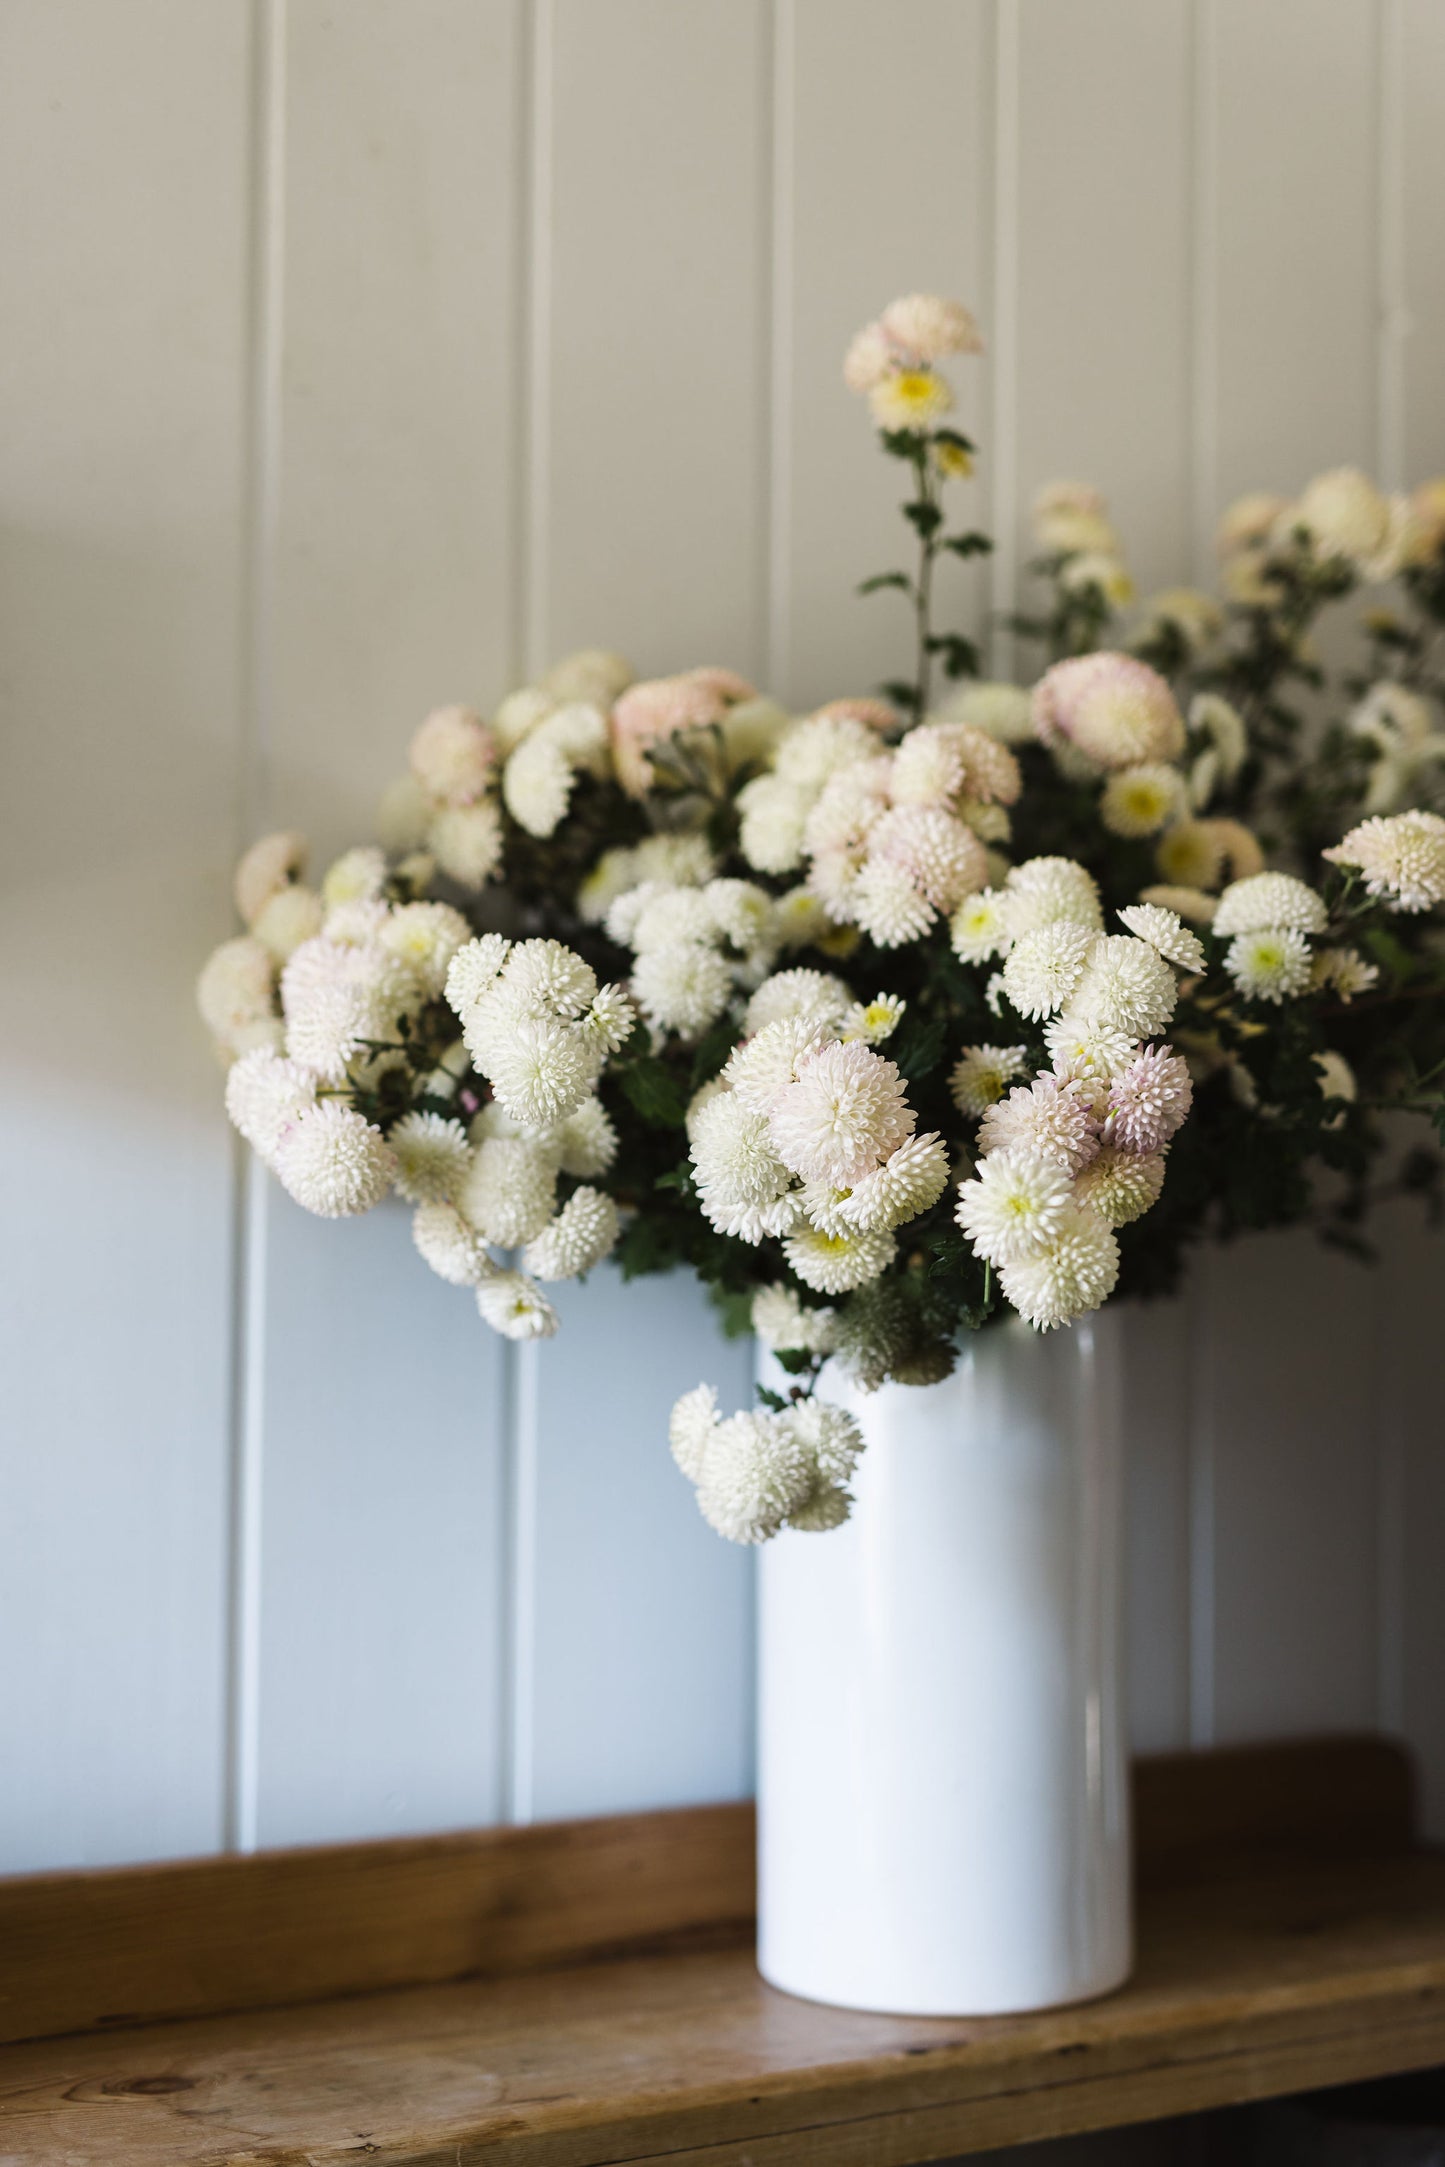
pixel 90 1949
pixel 1243 1990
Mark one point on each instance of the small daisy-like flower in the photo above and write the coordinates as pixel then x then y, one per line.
pixel 1271 899
pixel 1120 1185
pixel 1126 986
pixel 782 1322
pixel 433 1157
pixel 610 1019
pixel 1014 1205
pixel 910 399
pixel 333 1162
pixel 926 325
pixel 1074 1274
pixel 264 1094
pixel 466 841
pixel 910 1180
pixel 509 1191
pixel 982 1074
pixel 271 864
pixel 584 1231
pixel 1148 1101
pixel 515 1306
pixel 1272 964
pixel 1111 707
pixel 452 755
pixel 449 1244
pixel 681 988
pixel 844 1112
pixel 1050 1117
pixel 1342 971
pixel 836 1263
pixel 1164 931
pixel 979 929
pixel 1402 856
pixel 1141 800
pixel 1045 967
pixel 873 1021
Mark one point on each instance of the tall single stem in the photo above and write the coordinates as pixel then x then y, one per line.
pixel 923 588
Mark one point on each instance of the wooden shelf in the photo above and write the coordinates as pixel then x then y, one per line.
pixel 1256 1976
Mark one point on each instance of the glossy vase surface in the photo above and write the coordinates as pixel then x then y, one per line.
pixel 942 1785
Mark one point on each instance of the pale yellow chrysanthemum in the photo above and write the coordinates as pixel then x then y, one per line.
pixel 910 399
pixel 1141 800
pixel 433 1157
pixel 1191 903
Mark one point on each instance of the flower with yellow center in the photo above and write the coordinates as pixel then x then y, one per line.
pixel 910 399
pixel 1141 800
pixel 953 462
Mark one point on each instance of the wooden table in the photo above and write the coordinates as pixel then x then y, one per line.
pixel 1298 1945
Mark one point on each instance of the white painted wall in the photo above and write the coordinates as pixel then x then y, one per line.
pixel 362 354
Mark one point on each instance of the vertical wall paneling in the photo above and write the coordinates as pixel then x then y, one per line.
pixel 1102 392
pixel 1420 112
pixel 884 166
pixel 1297 388
pixel 382 1564
pixel 654 335
pixel 123 150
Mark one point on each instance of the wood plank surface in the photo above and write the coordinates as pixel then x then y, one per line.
pixel 82 1950
pixel 1261 1986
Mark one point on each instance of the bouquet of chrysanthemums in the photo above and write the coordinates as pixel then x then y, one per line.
pixel 927 1007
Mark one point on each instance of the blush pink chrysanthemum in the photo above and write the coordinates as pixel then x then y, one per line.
pixel 1148 1101
pixel 1112 707
pixel 1048 1116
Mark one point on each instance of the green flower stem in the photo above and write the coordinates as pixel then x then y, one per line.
pixel 923 583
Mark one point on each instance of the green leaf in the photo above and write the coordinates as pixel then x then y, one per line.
pixel 968 545
pixel 653 1090
pixel 900 692
pixel 923 517
pixel 795 1360
pixel 904 443
pixel 772 1400
pixel 900 580
pixel 956 438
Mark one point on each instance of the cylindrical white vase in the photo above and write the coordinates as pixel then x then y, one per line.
pixel 942 1788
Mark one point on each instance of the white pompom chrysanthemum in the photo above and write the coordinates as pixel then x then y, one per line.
pixel 466 841
pixel 681 988
pixel 333 1162
pixel 979 928
pixel 1050 1116
pixel 509 1191
pixel 873 1021
pixel 765 1064
pixel 1045 967
pixel 821 998
pixel 842 1114
pixel 586 1142
pixel 836 1263
pixel 289 917
pixel 932 328
pixel 449 1244
pixel 1166 932
pixel 982 1074
pixel 433 1157
pixel 1266 900
pixel 783 1322
pixel 357 876
pixel 235 986
pixel 910 1180
pixel 452 755
pixel 1271 965
pixel 773 813
pixel 584 1231
pixel 271 863
pixel 1402 856
pixel 473 972
pixel 1046 891
pixel 1015 1205
pixel 515 1306
pixel 739 1175
pixel 756 1471
pixel 1075 1273
pixel 884 902
pixel 1126 986
pixel 1120 1185
pixel 264 1094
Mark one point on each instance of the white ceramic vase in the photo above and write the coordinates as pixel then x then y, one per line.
pixel 942 1788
